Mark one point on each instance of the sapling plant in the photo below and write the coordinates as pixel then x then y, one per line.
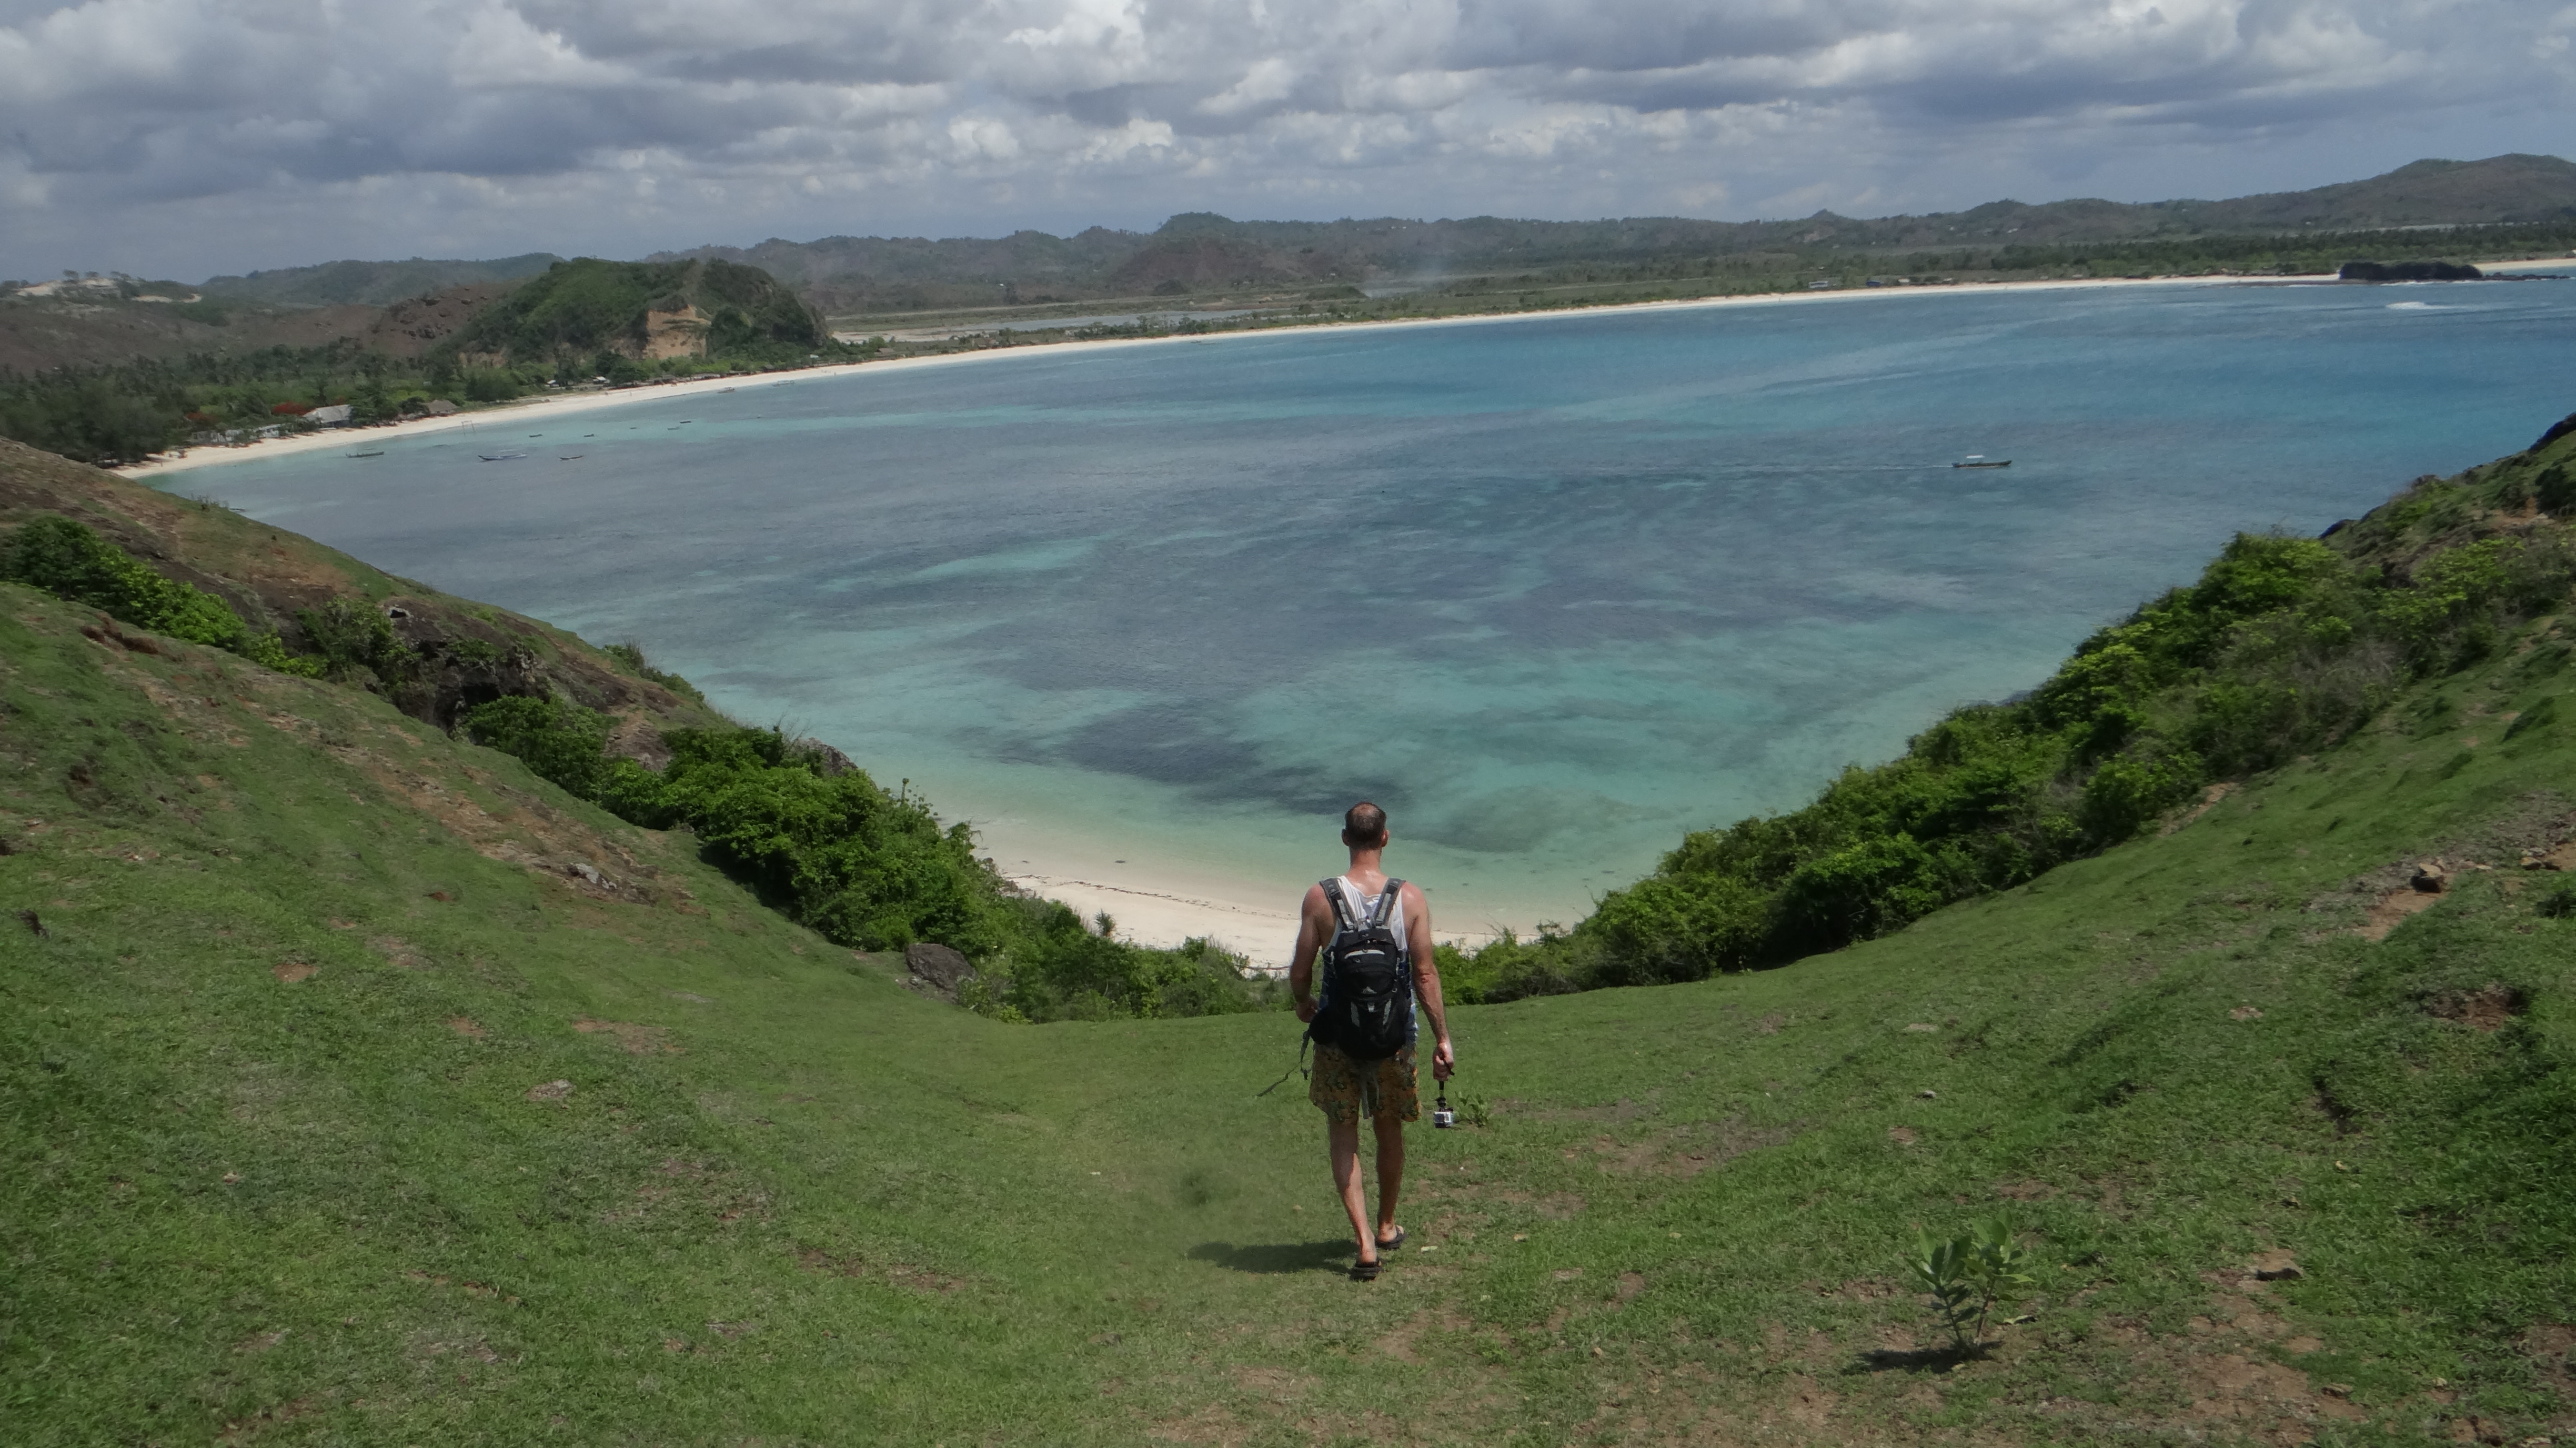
pixel 1967 1274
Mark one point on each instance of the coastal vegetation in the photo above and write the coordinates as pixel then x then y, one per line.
pixel 578 324
pixel 809 833
pixel 588 316
pixel 816 838
pixel 2285 647
pixel 365 1086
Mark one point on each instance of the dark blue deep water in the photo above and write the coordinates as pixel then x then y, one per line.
pixel 1554 590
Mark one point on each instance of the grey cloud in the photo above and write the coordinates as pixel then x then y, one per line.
pixel 879 112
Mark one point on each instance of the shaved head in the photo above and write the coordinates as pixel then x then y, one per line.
pixel 1364 827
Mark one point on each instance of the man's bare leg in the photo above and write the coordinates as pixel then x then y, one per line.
pixel 1343 1137
pixel 1390 1168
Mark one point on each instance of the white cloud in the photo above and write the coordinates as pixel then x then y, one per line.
pixel 255 131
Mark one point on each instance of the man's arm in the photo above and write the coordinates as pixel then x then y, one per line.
pixel 1313 915
pixel 1426 980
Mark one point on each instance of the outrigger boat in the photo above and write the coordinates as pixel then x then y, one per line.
pixel 380 452
pixel 500 457
pixel 1979 460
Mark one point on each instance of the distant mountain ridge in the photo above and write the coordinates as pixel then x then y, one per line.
pixel 851 274
pixel 371 283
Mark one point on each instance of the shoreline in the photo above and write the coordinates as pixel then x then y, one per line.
pixel 1156 903
pixel 220 454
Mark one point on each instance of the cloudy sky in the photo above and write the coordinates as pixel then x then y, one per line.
pixel 180 138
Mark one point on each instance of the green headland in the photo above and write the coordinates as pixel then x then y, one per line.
pixel 364 1084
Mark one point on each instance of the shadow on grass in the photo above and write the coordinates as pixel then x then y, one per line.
pixel 1919 1360
pixel 1333 1254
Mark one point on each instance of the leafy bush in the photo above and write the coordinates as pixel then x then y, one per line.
pixel 70 560
pixel 864 866
pixel 632 656
pixel 560 742
pixel 2283 645
pixel 356 643
pixel 490 385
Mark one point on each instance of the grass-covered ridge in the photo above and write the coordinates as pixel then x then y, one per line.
pixel 811 833
pixel 2284 647
pixel 363 1087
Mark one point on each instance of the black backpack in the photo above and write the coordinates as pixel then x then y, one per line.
pixel 1368 982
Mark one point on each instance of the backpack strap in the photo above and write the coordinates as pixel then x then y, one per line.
pixel 1341 907
pixel 1385 903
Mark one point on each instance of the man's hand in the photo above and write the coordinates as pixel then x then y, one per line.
pixel 1306 1011
pixel 1444 1060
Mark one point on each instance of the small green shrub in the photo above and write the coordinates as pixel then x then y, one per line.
pixel 559 741
pixel 632 656
pixel 1967 1275
pixel 2558 904
pixel 2555 489
pixel 356 643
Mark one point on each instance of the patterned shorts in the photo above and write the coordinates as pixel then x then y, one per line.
pixel 1350 1091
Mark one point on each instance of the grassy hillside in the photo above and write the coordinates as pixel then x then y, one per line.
pixel 362 1087
pixel 600 314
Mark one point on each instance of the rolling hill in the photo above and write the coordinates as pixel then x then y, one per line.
pixel 363 1087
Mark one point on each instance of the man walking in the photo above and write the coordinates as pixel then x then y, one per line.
pixel 1374 935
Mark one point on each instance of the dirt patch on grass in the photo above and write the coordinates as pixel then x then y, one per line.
pixel 638 1040
pixel 2208 801
pixel 399 953
pixel 2391 910
pixel 243 1430
pixel 1686 1151
pixel 291 971
pixel 2553 1349
pixel 2485 1009
pixel 1276 1384
pixel 898 1274
pixel 464 1026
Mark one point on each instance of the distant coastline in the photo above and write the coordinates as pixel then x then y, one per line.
pixel 566 404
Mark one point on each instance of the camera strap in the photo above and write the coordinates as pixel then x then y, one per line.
pixel 1299 1069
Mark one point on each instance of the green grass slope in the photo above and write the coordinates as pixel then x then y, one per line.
pixel 360 1087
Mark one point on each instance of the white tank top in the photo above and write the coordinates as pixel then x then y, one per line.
pixel 1360 904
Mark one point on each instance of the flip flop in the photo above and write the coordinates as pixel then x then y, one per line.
pixel 1366 1271
pixel 1392 1243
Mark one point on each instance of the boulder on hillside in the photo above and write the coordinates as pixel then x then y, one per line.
pixel 937 967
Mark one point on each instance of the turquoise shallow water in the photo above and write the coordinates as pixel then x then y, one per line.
pixel 1554 590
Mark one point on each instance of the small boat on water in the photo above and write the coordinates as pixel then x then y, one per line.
pixel 500 457
pixel 380 452
pixel 1980 460
pixel 574 458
